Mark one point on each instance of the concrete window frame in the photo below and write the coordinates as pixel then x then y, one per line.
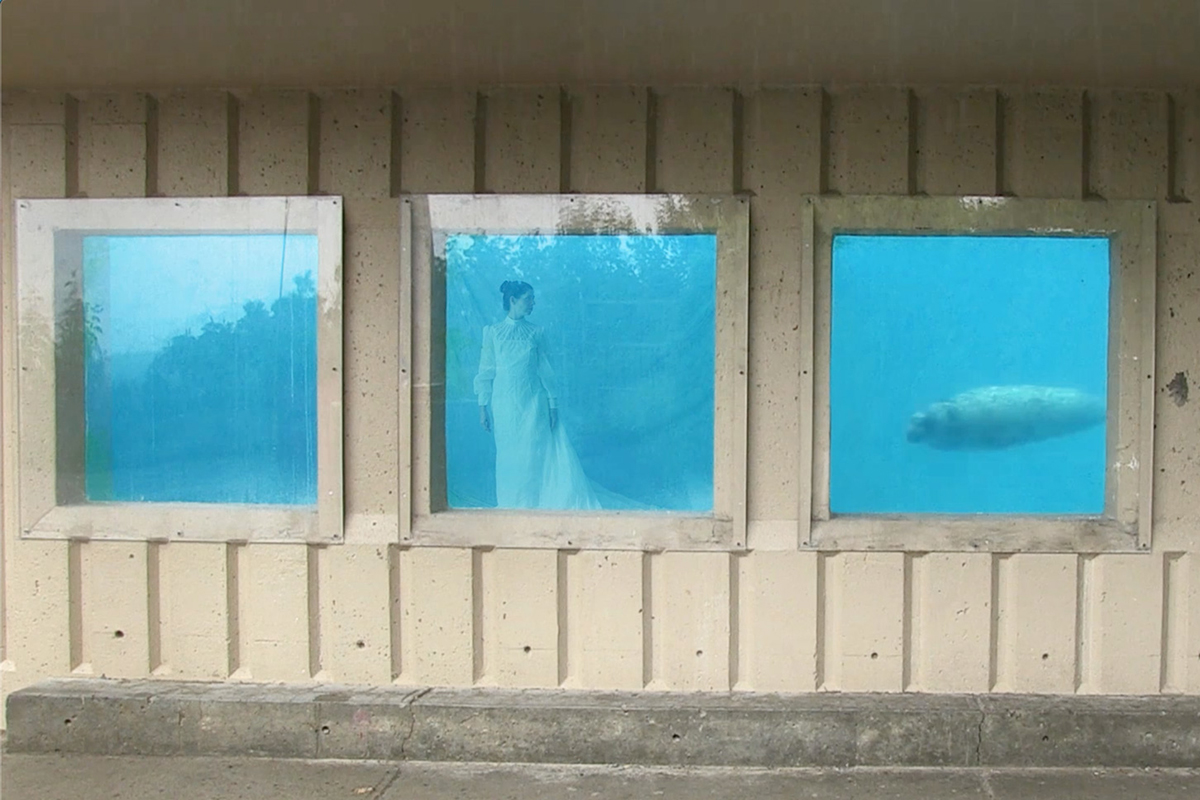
pixel 1125 525
pixel 49 236
pixel 425 519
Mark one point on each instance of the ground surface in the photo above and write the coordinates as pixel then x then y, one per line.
pixel 29 777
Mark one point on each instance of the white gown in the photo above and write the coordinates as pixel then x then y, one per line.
pixel 536 467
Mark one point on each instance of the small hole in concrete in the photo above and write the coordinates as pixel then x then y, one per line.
pixel 874 655
pixel 360 644
pixel 119 634
pixel 1045 738
pixel 324 729
pixel 66 722
pixel 699 652
pixel 675 737
pixel 528 649
pixel 1045 656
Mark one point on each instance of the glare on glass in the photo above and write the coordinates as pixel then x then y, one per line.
pixel 580 371
pixel 968 374
pixel 200 368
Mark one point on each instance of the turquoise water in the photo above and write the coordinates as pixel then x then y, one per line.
pixel 200 368
pixel 919 319
pixel 629 326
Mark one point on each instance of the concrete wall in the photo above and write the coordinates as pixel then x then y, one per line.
pixel 769 620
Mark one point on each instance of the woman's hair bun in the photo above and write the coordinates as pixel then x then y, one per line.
pixel 512 289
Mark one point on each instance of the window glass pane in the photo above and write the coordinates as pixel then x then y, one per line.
pixel 611 338
pixel 968 374
pixel 200 368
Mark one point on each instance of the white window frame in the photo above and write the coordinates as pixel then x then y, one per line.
pixel 1125 525
pixel 425 519
pixel 48 236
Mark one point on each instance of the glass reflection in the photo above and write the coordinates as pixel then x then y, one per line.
pixel 200 368
pixel 579 371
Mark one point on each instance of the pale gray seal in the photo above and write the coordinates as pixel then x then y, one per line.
pixel 997 417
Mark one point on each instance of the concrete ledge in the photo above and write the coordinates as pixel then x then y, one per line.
pixel 108 717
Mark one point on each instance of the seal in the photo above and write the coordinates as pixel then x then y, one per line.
pixel 999 417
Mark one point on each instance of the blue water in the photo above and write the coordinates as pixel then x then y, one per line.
pixel 200 368
pixel 919 319
pixel 630 325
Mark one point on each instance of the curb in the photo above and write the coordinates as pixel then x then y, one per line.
pixel 150 717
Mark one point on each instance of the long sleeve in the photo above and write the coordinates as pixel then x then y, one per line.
pixel 545 371
pixel 487 368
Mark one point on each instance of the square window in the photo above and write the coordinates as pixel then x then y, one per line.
pixel 983 374
pixel 586 370
pixel 611 337
pixel 181 368
pixel 968 374
pixel 209 394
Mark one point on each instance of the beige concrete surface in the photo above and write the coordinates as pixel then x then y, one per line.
pixel 770 619
pixel 85 778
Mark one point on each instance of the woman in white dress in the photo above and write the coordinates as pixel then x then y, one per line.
pixel 536 466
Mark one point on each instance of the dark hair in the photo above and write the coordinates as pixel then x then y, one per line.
pixel 510 290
